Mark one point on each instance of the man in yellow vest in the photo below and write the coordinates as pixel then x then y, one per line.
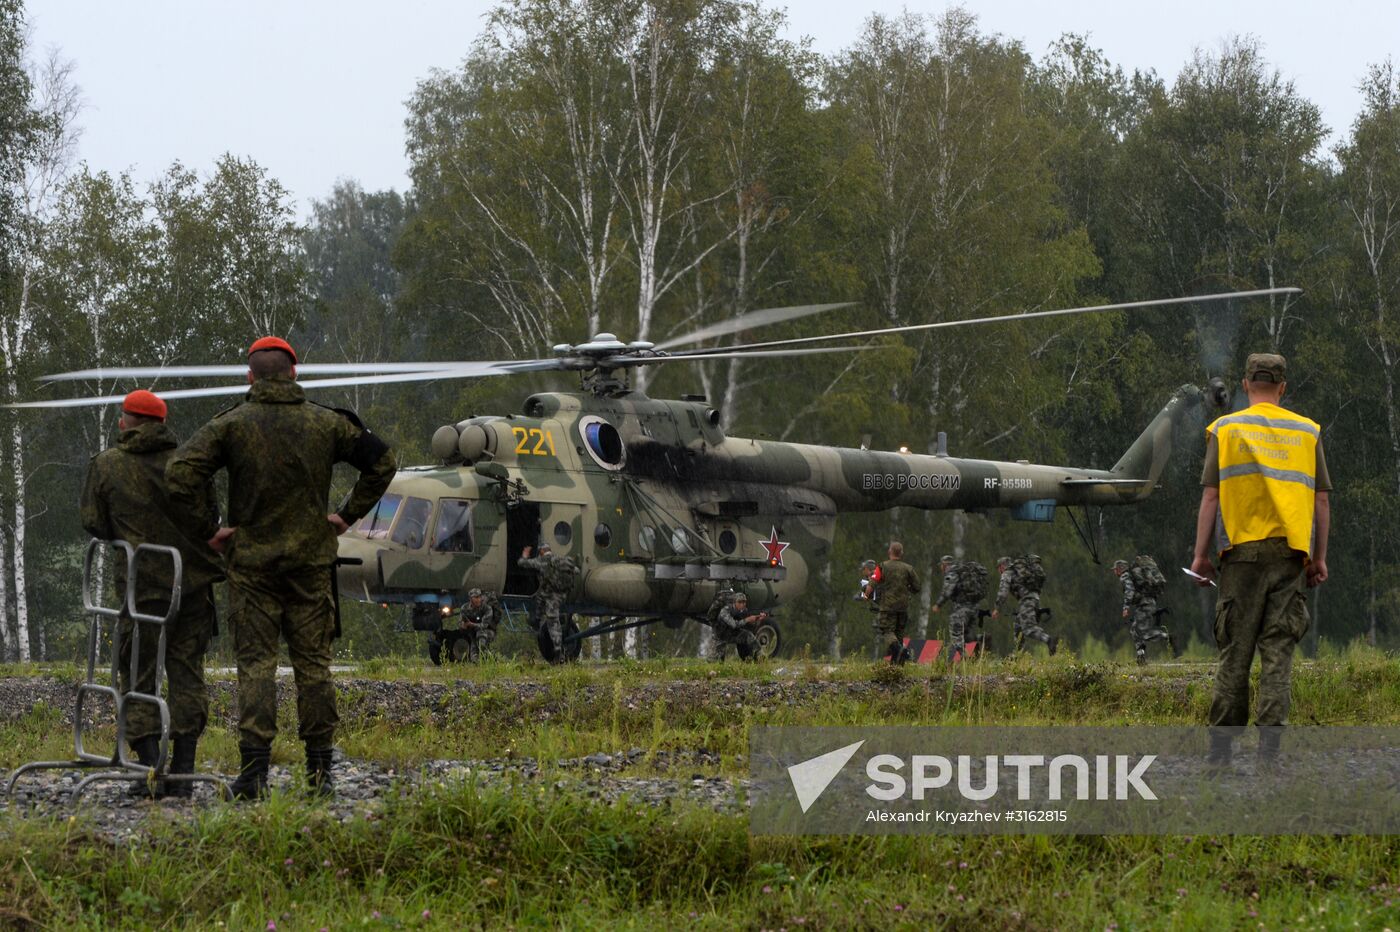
pixel 1265 505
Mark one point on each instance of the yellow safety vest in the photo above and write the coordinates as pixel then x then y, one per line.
pixel 1268 473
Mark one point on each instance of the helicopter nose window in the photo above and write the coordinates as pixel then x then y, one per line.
pixel 603 442
pixel 602 535
pixel 454 527
pixel 375 525
pixel 412 525
pixel 563 533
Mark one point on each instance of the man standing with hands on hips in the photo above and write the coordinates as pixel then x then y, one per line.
pixel 280 546
pixel 1265 504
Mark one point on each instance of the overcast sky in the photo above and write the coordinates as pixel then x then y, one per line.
pixel 314 90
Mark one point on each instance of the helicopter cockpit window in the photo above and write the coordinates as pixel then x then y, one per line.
pixel 453 533
pixel 375 525
pixel 412 525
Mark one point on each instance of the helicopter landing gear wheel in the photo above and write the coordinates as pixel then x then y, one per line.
pixel 769 638
pixel 572 649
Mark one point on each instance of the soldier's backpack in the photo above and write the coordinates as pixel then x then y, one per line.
pixel 722 598
pixel 1148 578
pixel 972 582
pixel 1032 575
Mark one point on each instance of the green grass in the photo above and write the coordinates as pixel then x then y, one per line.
pixel 527 855
pixel 463 856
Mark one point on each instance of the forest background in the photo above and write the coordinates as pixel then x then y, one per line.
pixel 650 166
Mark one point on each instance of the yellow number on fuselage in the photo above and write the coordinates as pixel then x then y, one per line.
pixel 544 441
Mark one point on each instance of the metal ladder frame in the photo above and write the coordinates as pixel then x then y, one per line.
pixel 119 766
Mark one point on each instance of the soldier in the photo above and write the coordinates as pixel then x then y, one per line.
pixel 556 582
pixel 1142 583
pixel 897 583
pixel 1265 501
pixel 1022 579
pixel 735 624
pixel 480 617
pixel 965 585
pixel 280 546
pixel 125 498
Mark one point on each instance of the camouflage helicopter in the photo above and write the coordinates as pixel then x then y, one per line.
pixel 658 505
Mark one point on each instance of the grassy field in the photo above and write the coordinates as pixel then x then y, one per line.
pixel 543 853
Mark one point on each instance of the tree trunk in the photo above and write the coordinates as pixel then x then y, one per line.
pixel 21 584
pixel 6 650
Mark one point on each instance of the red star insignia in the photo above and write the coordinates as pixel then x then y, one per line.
pixel 775 548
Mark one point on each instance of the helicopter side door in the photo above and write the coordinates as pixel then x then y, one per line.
pixel 449 545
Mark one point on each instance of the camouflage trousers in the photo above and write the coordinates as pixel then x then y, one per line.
pixel 1028 620
pixel 1142 624
pixel 548 606
pixel 744 640
pixel 186 639
pixel 478 641
pixel 1261 606
pixel 889 628
pixel 962 627
pixel 295 607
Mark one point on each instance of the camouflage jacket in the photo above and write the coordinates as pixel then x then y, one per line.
pixel 962 585
pixel 733 619
pixel 556 573
pixel 279 451
pixel 1018 581
pixel 487 615
pixel 125 498
pixel 1137 590
pixel 898 582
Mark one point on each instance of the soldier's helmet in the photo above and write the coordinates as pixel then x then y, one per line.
pixel 1003 561
pixel 544 547
pixel 474 594
pixel 1120 565
pixel 946 558
pixel 741 597
pixel 868 564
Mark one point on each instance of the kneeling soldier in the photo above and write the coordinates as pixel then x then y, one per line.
pixel 735 626
pixel 480 617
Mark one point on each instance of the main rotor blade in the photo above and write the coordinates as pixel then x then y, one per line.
pixel 719 353
pixel 477 370
pixel 1094 309
pixel 749 321
pixel 194 372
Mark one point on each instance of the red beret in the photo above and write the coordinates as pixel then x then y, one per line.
pixel 277 343
pixel 145 403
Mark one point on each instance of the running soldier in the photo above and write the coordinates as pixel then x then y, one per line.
pixel 897 583
pixel 556 582
pixel 1022 579
pixel 734 624
pixel 1143 584
pixel 965 585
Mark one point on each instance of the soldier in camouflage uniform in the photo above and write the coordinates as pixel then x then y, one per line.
pixel 480 618
pixel 964 584
pixel 557 576
pixel 897 583
pixel 734 625
pixel 1141 587
pixel 280 545
pixel 1021 579
pixel 125 498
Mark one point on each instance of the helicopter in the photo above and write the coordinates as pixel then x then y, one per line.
pixel 659 506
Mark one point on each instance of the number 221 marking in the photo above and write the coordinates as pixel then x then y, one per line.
pixel 543 438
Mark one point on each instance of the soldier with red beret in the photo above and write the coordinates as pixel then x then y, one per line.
pixel 126 498
pixel 280 545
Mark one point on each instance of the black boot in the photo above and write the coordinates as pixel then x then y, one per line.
pixel 318 771
pixel 147 751
pixel 1269 738
pixel 1222 748
pixel 1053 643
pixel 252 773
pixel 182 750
